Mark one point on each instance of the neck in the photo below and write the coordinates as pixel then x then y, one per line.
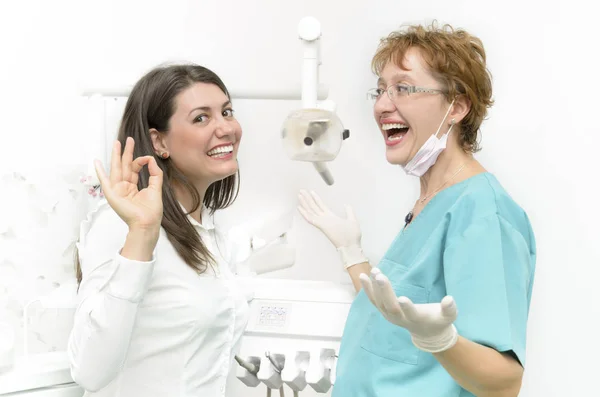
pixel 185 198
pixel 446 165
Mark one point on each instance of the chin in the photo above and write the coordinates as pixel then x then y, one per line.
pixel 396 159
pixel 226 170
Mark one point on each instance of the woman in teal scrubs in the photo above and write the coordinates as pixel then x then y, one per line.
pixel 445 311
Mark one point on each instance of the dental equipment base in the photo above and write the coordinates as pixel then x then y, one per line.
pixel 293 335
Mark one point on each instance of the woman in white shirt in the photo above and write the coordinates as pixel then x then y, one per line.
pixel 160 312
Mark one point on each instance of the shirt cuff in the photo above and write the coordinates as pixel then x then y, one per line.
pixel 131 278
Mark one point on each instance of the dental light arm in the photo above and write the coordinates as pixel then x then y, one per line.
pixel 309 31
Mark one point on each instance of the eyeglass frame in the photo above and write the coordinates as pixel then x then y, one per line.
pixel 411 89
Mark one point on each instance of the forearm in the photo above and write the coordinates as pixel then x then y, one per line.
pixel 104 320
pixel 100 339
pixel 355 272
pixel 482 370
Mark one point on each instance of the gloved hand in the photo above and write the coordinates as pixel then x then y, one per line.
pixel 344 233
pixel 431 325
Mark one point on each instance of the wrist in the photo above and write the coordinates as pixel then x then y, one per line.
pixel 438 343
pixel 144 233
pixel 352 255
pixel 139 244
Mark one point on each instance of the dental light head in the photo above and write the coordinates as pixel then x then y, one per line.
pixel 313 135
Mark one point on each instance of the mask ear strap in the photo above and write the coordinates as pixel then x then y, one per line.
pixel 450 129
pixel 442 123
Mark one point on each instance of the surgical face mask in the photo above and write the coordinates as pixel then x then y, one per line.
pixel 429 152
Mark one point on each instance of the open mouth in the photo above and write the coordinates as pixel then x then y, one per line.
pixel 395 132
pixel 221 151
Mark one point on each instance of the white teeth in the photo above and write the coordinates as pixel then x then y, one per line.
pixel 221 150
pixel 386 127
pixel 396 137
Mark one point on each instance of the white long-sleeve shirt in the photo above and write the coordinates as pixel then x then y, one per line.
pixel 157 328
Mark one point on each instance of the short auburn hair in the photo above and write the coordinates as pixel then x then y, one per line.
pixel 456 59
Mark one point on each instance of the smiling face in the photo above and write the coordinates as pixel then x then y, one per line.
pixel 409 120
pixel 203 137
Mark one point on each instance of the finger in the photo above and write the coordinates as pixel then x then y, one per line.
pixel 365 281
pixel 308 203
pixel 115 164
pixel 305 206
pixel 375 288
pixel 139 163
pixel 103 178
pixel 350 214
pixel 408 308
pixel 449 309
pixel 318 202
pixel 127 159
pixel 306 215
pixel 156 174
pixel 136 167
pixel 387 295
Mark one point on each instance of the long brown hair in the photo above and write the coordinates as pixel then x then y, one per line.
pixel 151 105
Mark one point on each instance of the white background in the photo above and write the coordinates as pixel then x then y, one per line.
pixel 540 140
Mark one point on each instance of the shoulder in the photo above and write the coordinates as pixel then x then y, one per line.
pixel 483 198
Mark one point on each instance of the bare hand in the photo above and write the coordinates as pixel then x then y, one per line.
pixel 140 209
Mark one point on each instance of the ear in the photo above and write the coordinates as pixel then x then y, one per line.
pixel 159 142
pixel 460 109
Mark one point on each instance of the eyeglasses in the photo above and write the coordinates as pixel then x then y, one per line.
pixel 400 90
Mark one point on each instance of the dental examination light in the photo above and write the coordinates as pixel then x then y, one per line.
pixel 313 133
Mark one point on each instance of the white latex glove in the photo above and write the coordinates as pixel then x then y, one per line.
pixel 431 325
pixel 344 233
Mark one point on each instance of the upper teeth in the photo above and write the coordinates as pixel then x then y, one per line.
pixel 221 149
pixel 391 126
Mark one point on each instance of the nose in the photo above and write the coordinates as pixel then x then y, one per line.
pixel 224 128
pixel 384 105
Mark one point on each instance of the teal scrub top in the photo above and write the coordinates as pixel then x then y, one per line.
pixel 471 241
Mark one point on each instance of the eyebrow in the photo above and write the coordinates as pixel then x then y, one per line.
pixel 207 108
pixel 396 77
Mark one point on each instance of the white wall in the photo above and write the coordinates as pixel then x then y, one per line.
pixel 541 138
